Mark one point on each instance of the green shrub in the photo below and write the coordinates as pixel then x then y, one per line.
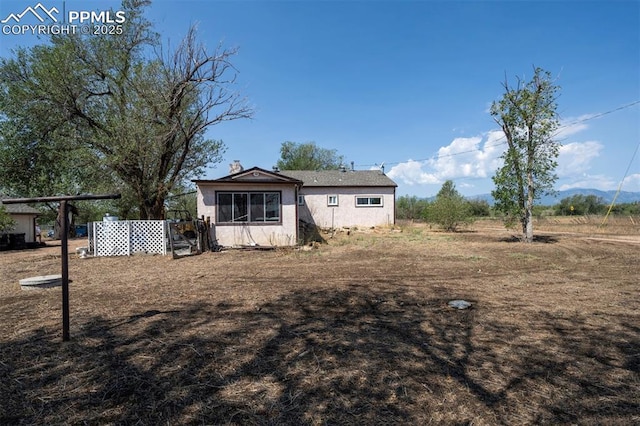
pixel 449 210
pixel 6 221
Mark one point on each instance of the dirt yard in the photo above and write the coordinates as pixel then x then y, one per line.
pixel 357 331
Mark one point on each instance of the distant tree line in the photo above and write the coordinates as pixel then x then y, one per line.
pixel 449 204
pixel 445 208
pixel 591 204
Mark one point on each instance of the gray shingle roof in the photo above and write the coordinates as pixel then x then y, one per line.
pixel 340 178
pixel 254 174
pixel 20 209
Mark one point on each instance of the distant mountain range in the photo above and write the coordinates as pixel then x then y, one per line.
pixel 605 196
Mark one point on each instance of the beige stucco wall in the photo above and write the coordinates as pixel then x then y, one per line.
pixel 237 234
pixel 24 225
pixel 346 214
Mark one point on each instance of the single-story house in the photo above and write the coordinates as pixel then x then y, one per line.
pixel 25 218
pixel 342 198
pixel 264 208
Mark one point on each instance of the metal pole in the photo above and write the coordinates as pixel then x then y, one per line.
pixel 64 241
pixel 61 198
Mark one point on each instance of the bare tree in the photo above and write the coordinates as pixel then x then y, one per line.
pixel 136 118
pixel 195 91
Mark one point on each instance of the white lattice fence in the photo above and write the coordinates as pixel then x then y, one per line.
pixel 125 237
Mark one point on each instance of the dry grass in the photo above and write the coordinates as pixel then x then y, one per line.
pixel 355 332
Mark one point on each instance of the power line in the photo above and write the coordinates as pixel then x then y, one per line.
pixel 558 130
pixel 620 108
pixel 620 186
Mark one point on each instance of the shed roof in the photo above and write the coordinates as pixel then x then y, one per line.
pixel 20 209
pixel 333 178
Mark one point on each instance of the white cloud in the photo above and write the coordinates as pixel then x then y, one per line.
pixel 411 173
pixel 575 158
pixel 457 159
pixel 471 161
pixel 631 183
pixel 462 158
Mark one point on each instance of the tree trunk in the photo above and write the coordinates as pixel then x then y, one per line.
pixel 157 209
pixel 143 211
pixel 57 226
pixel 528 214
pixel 528 225
pixel 152 209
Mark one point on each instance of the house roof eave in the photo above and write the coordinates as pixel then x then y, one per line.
pixel 237 178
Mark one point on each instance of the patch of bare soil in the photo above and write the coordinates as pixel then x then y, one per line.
pixel 357 331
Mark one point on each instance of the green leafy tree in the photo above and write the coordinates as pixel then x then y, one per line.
pixel 6 221
pixel 411 207
pixel 479 208
pixel 527 115
pixel 449 210
pixel 84 113
pixel 626 209
pixel 308 156
pixel 580 205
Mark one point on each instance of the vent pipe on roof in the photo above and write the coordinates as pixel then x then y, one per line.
pixel 353 167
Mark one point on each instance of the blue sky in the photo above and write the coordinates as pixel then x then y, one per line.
pixel 409 83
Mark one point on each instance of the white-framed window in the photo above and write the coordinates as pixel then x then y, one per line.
pixel 255 207
pixel 332 200
pixel 300 200
pixel 369 201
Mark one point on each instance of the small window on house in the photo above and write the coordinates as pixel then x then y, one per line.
pixel 369 201
pixel 332 200
pixel 301 200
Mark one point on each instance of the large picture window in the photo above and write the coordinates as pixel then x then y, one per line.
pixel 254 207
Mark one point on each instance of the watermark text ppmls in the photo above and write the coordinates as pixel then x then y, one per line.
pixel 46 19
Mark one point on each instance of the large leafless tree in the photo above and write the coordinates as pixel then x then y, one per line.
pixel 130 110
